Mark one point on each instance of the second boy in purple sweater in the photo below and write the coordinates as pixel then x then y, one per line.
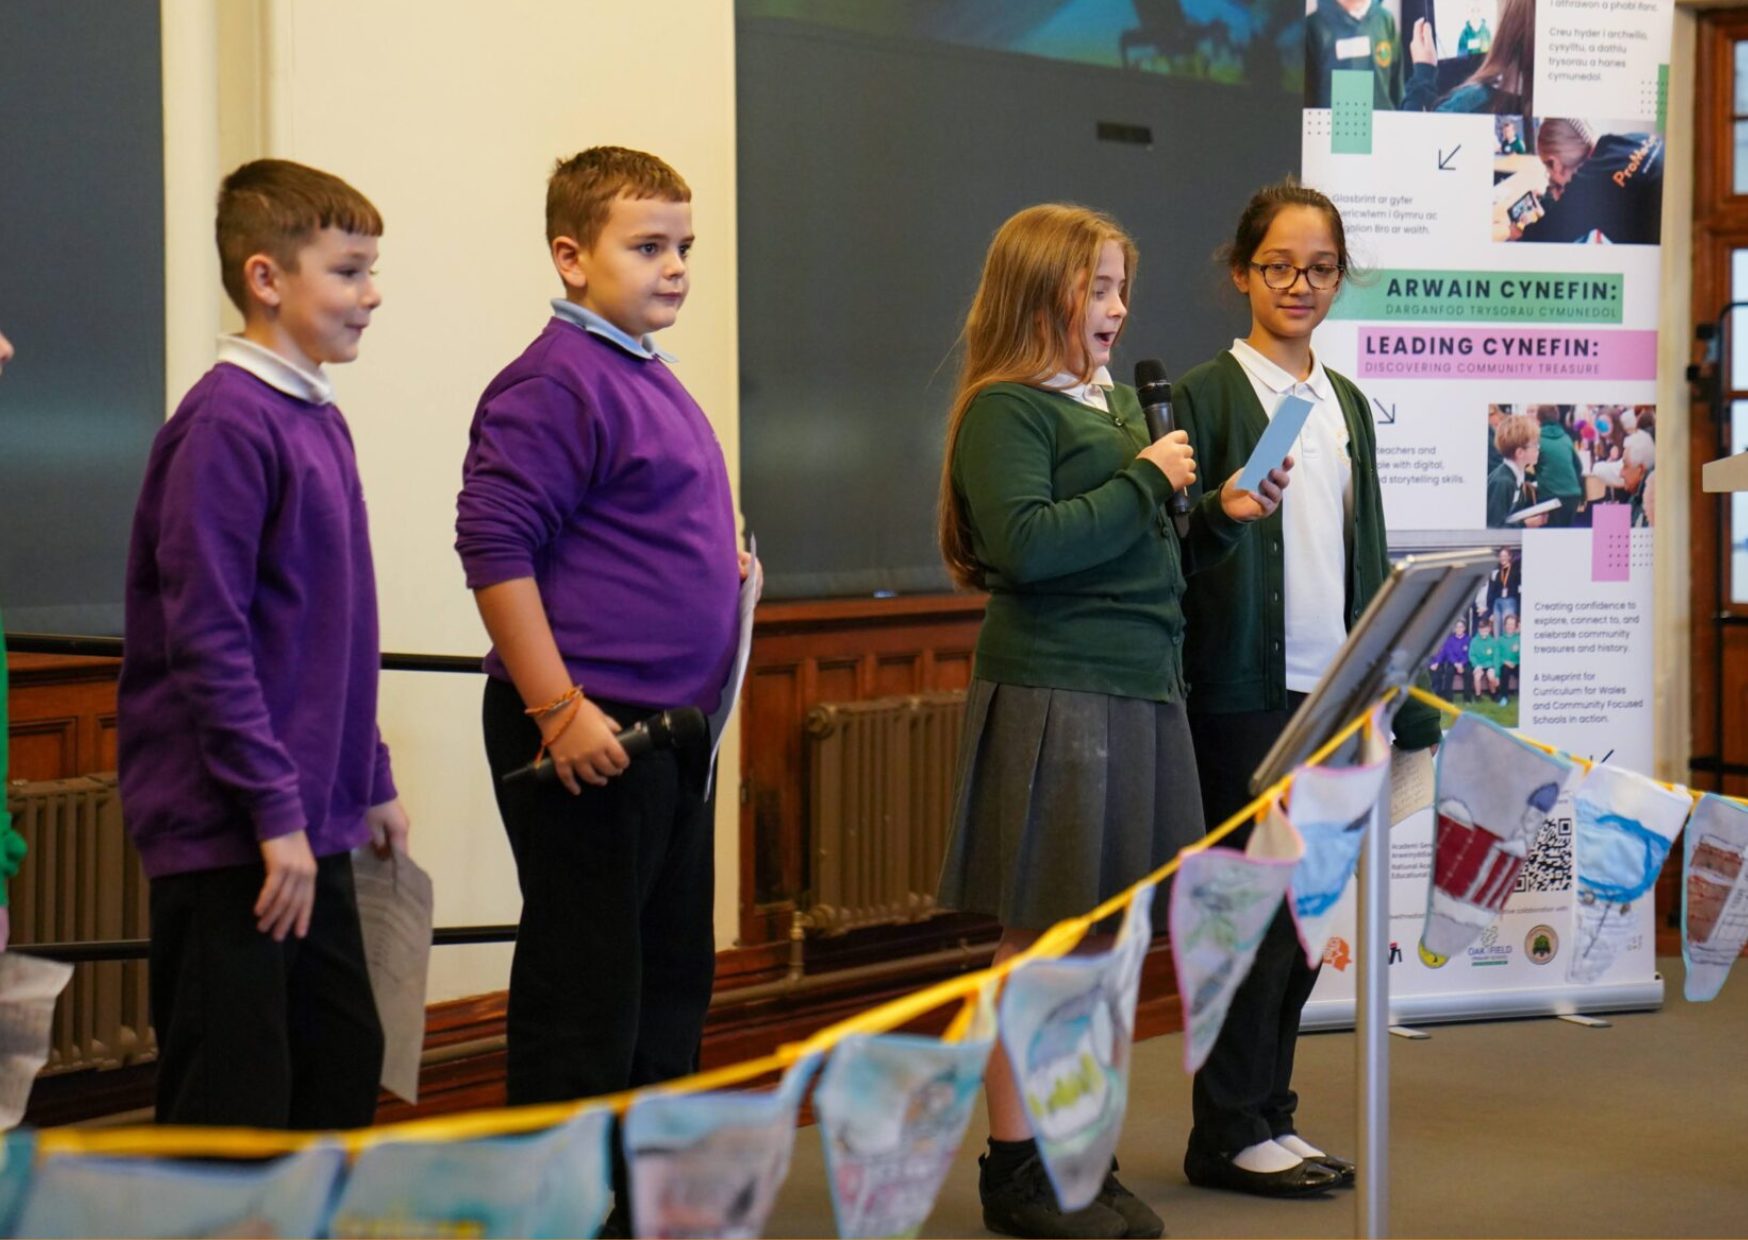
pixel 596 529
pixel 249 755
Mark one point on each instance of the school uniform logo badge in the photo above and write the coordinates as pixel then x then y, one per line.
pixel 1384 53
pixel 1541 944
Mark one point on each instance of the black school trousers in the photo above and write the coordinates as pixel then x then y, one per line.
pixel 616 950
pixel 257 1033
pixel 1243 1093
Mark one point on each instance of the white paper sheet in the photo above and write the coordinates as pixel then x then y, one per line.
pixel 1410 783
pixel 395 913
pixel 28 989
pixel 750 589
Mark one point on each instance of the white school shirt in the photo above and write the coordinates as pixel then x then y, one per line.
pixel 1314 516
pixel 1091 392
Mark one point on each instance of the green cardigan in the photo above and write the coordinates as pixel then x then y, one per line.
pixel 11 843
pixel 1237 619
pixel 1084 572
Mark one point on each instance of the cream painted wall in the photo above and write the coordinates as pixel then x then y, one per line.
pixel 449 114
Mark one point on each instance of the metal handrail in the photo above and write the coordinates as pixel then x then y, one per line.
pixel 136 949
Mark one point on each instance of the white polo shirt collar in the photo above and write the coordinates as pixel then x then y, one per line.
pixel 275 371
pixel 1091 392
pixel 1278 380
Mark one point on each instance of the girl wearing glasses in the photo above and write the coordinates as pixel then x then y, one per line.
pixel 1262 627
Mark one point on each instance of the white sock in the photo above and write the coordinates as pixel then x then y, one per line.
pixel 1293 1143
pixel 1267 1157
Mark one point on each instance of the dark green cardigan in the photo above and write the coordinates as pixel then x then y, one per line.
pixel 1237 620
pixel 1084 571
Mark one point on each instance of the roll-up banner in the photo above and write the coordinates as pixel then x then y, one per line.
pixel 1499 168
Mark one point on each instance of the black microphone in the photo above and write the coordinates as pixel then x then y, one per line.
pixel 680 728
pixel 1154 389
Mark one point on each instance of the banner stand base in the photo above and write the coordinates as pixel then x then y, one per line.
pixel 1410 1010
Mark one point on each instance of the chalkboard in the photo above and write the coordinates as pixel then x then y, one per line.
pixel 82 300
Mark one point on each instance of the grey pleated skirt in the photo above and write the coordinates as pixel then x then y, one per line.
pixel 1063 799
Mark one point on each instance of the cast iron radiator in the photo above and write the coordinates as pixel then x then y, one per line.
pixel 82 880
pixel 879 795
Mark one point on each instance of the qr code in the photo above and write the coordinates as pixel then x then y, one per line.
pixel 1549 865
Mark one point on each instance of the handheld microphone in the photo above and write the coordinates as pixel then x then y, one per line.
pixel 1154 390
pixel 680 728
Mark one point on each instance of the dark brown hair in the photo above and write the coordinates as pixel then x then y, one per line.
pixel 582 188
pixel 273 207
pixel 1260 212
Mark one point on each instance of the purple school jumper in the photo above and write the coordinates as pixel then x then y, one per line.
pixel 247 703
pixel 596 473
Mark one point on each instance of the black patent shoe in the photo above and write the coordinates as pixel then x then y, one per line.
pixel 1303 1179
pixel 1024 1204
pixel 1142 1222
pixel 1344 1170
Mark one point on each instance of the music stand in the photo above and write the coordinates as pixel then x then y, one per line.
pixel 1394 639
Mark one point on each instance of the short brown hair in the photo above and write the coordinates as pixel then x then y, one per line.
pixel 273 207
pixel 1516 432
pixel 582 189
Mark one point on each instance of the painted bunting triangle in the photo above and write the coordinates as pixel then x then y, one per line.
pixel 548 1184
pixel 1494 792
pixel 1221 904
pixel 710 1164
pixel 1330 807
pixel 1714 895
pixel 1624 825
pixel 892 1111
pixel 1068 1027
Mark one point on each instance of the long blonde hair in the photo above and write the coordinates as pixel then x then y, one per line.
pixel 1027 320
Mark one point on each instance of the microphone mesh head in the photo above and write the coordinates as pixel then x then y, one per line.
pixel 1149 370
pixel 688 727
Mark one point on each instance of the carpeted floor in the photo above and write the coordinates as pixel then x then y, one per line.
pixel 1513 1128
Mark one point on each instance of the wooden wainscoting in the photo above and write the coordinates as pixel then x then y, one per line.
pixel 61 715
pixel 839 650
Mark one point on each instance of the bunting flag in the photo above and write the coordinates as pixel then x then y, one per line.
pixel 1330 808
pixel 1068 1027
pixel 1624 827
pixel 710 1164
pixel 29 988
pixel 72 1195
pixel 1222 902
pixel 892 1111
pixel 1494 792
pixel 17 1149
pixel 1714 895
pixel 549 1184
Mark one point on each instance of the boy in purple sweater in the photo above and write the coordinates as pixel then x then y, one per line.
pixel 596 529
pixel 250 760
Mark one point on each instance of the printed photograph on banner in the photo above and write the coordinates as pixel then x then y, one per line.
pixel 1478 666
pixel 1485 56
pixel 1355 37
pixel 1581 181
pixel 1422 55
pixel 1558 465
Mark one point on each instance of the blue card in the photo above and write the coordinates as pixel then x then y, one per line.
pixel 1276 442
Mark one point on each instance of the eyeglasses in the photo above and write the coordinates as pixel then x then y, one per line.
pixel 1320 276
